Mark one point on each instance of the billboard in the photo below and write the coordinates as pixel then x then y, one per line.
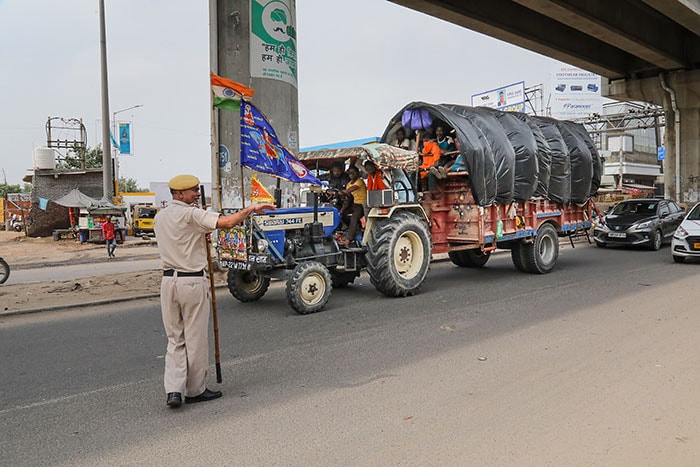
pixel 507 98
pixel 124 138
pixel 273 40
pixel 573 93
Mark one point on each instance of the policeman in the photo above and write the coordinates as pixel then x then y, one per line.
pixel 184 290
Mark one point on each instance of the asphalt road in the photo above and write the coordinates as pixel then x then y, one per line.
pixel 79 271
pixel 456 375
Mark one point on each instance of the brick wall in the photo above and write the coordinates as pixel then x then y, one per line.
pixel 51 185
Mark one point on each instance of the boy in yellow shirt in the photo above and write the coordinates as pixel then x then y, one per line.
pixel 357 188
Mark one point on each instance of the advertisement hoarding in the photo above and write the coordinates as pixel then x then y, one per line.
pixel 124 138
pixel 507 98
pixel 273 40
pixel 573 93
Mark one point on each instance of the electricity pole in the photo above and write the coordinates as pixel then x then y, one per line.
pixel 107 191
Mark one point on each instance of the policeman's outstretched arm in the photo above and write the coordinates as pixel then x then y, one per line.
pixel 226 222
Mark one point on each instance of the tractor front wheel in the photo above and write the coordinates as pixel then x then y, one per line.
pixel 309 287
pixel 247 286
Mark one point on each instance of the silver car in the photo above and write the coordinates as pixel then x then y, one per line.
pixel 686 238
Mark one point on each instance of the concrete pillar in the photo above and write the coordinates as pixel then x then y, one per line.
pixel 231 57
pixel 686 86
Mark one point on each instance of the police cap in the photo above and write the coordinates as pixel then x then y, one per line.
pixel 183 182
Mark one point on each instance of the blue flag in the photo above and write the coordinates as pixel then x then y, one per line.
pixel 262 151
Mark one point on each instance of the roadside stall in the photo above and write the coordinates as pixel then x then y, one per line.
pixel 91 220
pixel 87 215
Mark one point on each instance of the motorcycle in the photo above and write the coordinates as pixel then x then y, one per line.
pixel 4 271
pixel 16 225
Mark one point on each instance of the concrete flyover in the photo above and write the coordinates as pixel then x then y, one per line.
pixel 649 50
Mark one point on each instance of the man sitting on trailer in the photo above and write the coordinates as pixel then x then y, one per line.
pixel 401 141
pixel 448 153
pixel 430 156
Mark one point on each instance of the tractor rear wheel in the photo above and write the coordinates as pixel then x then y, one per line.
pixel 247 286
pixel 398 254
pixel 309 287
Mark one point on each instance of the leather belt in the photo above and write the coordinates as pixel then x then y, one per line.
pixel 172 272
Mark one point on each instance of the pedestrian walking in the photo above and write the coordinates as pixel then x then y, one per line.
pixel 110 238
pixel 184 293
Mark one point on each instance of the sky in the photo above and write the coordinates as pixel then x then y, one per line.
pixel 359 63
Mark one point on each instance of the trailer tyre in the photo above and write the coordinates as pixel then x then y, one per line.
pixel 469 258
pixel 541 255
pixel 247 286
pixel 309 287
pixel 398 254
pixel 517 254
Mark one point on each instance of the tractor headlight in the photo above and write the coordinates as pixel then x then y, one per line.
pixel 263 245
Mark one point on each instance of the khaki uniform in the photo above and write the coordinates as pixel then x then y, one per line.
pixel 185 301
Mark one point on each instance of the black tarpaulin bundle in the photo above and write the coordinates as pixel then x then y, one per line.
pixel 512 156
pixel 496 141
pixel 559 189
pixel 580 130
pixel 527 170
pixel 581 163
pixel 544 154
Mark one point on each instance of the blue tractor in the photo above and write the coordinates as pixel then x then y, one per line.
pixel 300 245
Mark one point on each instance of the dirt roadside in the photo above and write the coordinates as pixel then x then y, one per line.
pixel 23 252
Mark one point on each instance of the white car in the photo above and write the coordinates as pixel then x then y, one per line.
pixel 686 238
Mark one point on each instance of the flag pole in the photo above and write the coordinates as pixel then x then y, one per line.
pixel 215 143
pixel 240 152
pixel 212 290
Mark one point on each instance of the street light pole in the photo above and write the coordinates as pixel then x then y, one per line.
pixel 106 143
pixel 116 150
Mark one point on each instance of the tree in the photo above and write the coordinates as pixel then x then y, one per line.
pixel 7 188
pixel 129 185
pixel 73 159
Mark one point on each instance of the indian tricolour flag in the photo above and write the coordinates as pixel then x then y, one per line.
pixel 227 93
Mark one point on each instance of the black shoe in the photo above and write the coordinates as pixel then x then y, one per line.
pixel 207 395
pixel 174 399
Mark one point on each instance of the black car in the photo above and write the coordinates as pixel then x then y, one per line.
pixel 639 222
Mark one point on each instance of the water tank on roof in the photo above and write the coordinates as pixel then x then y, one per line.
pixel 44 158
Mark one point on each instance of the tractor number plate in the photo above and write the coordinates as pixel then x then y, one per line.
pixel 617 235
pixel 254 262
pixel 236 265
pixel 258 259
